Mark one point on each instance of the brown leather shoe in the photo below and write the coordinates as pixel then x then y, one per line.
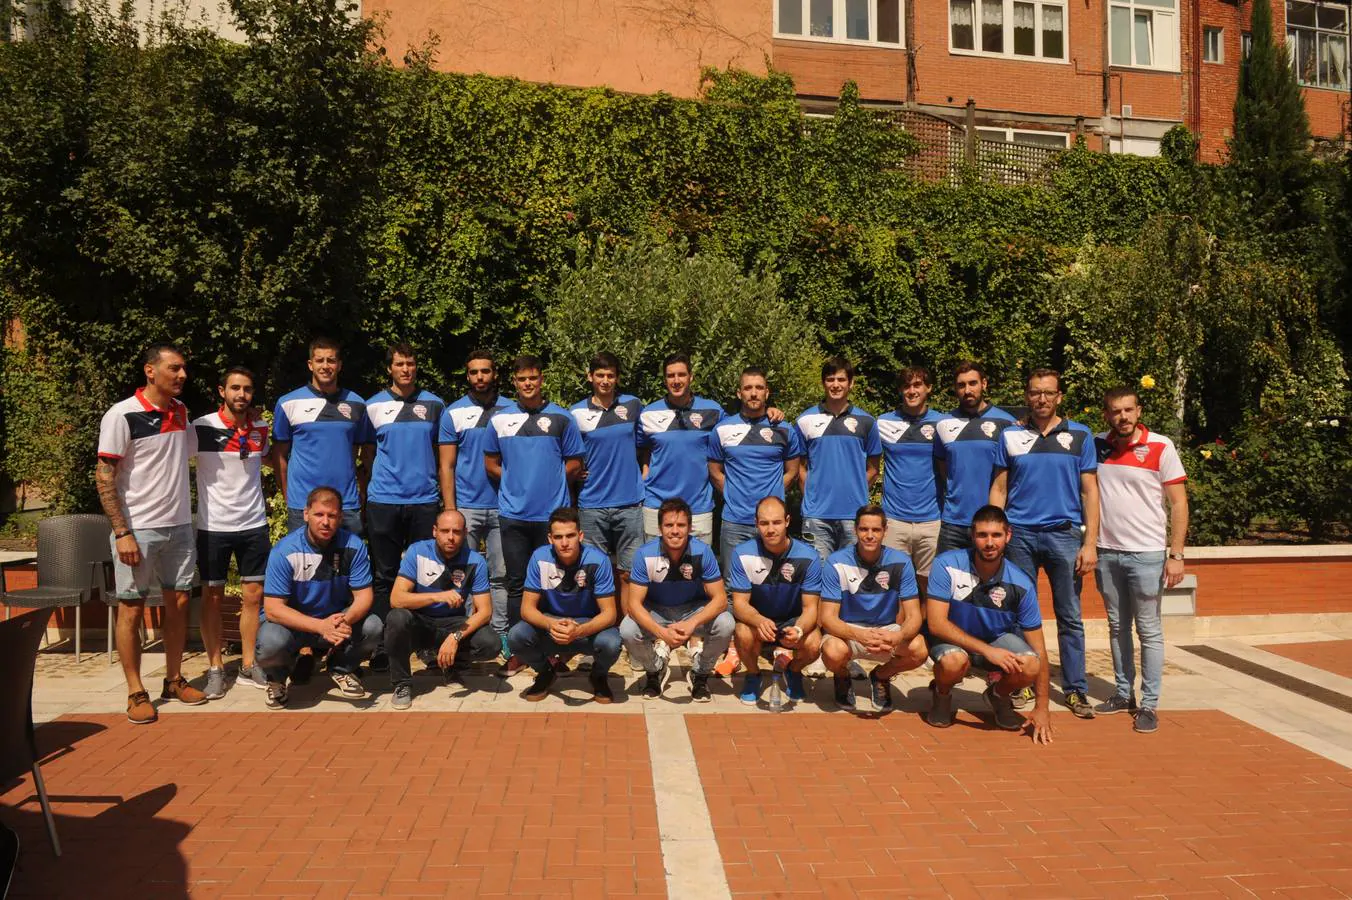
pixel 180 690
pixel 139 710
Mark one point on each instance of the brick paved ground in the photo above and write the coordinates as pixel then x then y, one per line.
pixel 843 807
pixel 334 805
pixel 1331 656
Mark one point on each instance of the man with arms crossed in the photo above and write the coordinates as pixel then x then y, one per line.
pixel 841 450
pixel 776 585
pixel 673 441
pixel 440 603
pixel 232 520
pixel 568 607
pixel 750 457
pixel 1137 470
pixel 317 594
pixel 465 484
pixel 1045 482
pixel 871 610
pixel 316 432
pixel 676 592
pixel 982 613
pixel 965 450
pixel 142 477
pixel 910 488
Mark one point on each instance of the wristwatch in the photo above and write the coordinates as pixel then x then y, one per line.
pixel 458 635
pixel 121 534
pixel 1177 556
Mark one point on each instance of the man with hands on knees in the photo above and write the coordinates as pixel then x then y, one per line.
pixel 983 614
pixel 317 593
pixel 441 601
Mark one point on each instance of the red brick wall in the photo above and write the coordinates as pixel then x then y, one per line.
pixel 819 69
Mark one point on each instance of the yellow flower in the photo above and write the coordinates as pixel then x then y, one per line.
pixel 1147 381
pixel 1206 454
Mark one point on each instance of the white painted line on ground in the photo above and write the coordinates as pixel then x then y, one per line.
pixel 689 851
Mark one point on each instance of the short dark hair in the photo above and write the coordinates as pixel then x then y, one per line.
pixel 1121 392
pixel 525 362
pixel 674 358
pixel 238 370
pixel 480 353
pixel 324 342
pixel 870 509
pixel 911 373
pixel 321 493
pixel 990 513
pixel 604 360
pixel 565 514
pixel 403 348
pixel 836 364
pixel 671 505
pixel 772 499
pixel 153 353
pixel 1042 373
pixel 969 365
pixel 753 371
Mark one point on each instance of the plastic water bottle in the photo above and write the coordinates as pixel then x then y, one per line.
pixel 778 688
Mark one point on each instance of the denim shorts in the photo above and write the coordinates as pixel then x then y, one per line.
pixel 1010 641
pixel 169 554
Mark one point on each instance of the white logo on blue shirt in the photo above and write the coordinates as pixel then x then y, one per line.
pixel 757 568
pixel 429 570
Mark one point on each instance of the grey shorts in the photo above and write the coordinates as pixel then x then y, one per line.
pixel 167 554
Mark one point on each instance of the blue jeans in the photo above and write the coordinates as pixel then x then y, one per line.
pixel 278 645
pixel 730 535
pixel 295 518
pixel 1131 584
pixel 828 535
pixel 481 526
pixel 1055 552
pixel 717 636
pixel 535 646
pixel 953 537
pixel 616 531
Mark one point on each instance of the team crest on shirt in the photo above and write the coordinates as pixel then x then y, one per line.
pixel 988 429
pixel 884 578
pixel 580 578
pixel 458 578
pixel 851 423
pixel 543 422
pixel 927 431
pixel 697 419
pixel 1141 452
pixel 420 411
pixel 1065 440
pixel 687 571
pixel 767 434
pixel 997 596
pixel 622 412
pixel 786 571
pixel 345 409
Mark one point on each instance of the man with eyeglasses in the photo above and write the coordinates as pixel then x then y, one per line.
pixel 1046 481
pixel 232 520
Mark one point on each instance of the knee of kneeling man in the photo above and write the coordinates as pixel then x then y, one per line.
pixel 398 617
pixel 1031 665
pixel 607 641
pixel 723 625
pixel 954 662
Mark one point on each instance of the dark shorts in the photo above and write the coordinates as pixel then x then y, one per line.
pixel 250 549
pixel 768 647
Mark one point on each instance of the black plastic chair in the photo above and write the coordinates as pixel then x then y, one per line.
pixel 19 640
pixel 73 555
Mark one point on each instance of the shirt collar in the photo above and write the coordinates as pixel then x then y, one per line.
pixel 174 403
pixel 335 396
pixel 1132 442
pixel 228 419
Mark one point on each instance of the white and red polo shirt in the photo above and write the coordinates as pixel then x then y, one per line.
pixel 229 472
pixel 151 447
pixel 1131 479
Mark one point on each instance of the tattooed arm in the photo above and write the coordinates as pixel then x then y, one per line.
pixel 105 477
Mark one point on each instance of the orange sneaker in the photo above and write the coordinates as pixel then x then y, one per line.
pixel 184 693
pixel 728 664
pixel 139 710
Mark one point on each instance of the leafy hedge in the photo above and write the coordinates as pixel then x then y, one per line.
pixel 239 198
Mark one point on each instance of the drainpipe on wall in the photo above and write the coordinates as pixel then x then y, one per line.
pixel 1195 60
pixel 969 138
pixel 911 50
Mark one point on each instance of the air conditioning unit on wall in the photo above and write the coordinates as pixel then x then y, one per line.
pixel 1126 110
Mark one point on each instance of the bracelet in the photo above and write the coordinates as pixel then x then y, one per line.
pixel 121 534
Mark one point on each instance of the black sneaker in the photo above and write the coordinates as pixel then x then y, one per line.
pixel 304 668
pixel 454 677
pixel 1003 707
pixel 880 692
pixel 1114 705
pixel 380 662
pixel 844 691
pixel 276 696
pixel 539 688
pixel 428 657
pixel 1146 721
pixel 1078 703
pixel 940 713
pixel 600 686
pixel 699 688
pixel 652 685
pixel 403 697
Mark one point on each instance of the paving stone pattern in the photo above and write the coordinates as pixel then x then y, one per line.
pixel 1331 656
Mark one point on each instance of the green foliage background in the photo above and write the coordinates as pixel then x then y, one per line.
pixel 239 198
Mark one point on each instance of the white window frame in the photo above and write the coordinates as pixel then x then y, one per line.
pixel 1219 32
pixel 838 16
pixel 1063 59
pixel 1316 32
pixel 1163 35
pixel 1012 135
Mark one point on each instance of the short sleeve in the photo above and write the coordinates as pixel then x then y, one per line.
pixel 641 436
pixel 408 566
pixel 873 442
pixel 638 572
pixel 714 447
pixel 737 580
pixel 190 435
pixel 281 425
pixel 908 589
pixel 711 572
pixel 491 441
pixel 1088 458
pixel 360 575
pixel 1001 460
pixel 603 583
pixel 480 584
pixel 1030 617
pixel 277 581
pixel 447 434
pixel 812 581
pixel 570 445
pixel 1171 467
pixel 532 582
pixel 114 435
pixel 940 449
pixel 365 432
pixel 940 586
pixel 831 583
pixel 796 447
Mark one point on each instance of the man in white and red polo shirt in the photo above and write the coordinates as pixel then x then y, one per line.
pixel 142 478
pixel 1138 471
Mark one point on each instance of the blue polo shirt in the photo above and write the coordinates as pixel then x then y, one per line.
pixel 466 573
pixel 1007 604
pixel 322 430
pixel 967 445
pixel 1044 473
pixel 610 436
pixel 910 484
pixel 869 596
pixel 675 584
pixel 465 424
pixel 406 433
pixel 570 592
pixel 678 463
pixel 776 583
pixel 317 581
pixel 838 448
pixel 534 445
pixel 753 453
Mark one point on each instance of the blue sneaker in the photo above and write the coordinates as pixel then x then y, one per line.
pixel 751 688
pixel 795 681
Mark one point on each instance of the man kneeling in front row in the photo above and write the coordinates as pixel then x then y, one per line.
pixel 440 601
pixel 567 607
pixel 776 585
pixel 983 614
pixel 317 593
